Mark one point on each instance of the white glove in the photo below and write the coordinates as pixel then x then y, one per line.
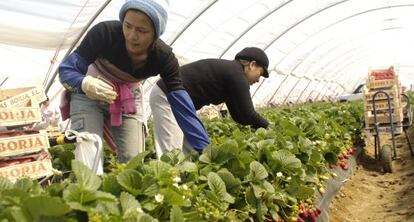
pixel 97 89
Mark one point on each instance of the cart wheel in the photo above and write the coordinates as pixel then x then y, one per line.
pixel 386 158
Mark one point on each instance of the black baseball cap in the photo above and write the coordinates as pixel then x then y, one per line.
pixel 255 54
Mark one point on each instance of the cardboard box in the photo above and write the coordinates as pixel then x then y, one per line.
pixel 34 170
pixel 382 84
pixel 382 105
pixel 385 130
pixel 22 97
pixel 383 119
pixel 19 116
pixel 23 144
pixel 380 74
pixel 393 92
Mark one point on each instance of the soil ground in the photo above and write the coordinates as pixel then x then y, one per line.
pixel 372 195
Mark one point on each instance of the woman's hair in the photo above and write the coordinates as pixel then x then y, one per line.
pixel 244 62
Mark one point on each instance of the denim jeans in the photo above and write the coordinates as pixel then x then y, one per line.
pixel 88 115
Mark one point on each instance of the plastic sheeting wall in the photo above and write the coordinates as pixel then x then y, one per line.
pixel 317 48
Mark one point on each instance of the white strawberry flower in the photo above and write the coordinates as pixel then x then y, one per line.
pixel 159 198
pixel 279 174
pixel 177 179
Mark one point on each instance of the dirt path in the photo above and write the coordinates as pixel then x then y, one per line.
pixel 371 195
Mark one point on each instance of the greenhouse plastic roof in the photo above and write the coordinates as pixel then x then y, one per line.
pixel 316 48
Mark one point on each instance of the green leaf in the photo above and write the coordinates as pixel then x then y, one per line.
pixel 176 215
pixel 66 158
pixel 86 178
pixel 251 199
pixel 56 189
pixel 150 185
pixel 148 204
pixel 257 172
pixel 216 184
pixel 289 128
pixel 173 157
pixel 17 214
pixel 331 157
pixel 146 218
pixel 5 184
pixel 258 191
pixel 46 206
pixel 108 208
pixel 171 197
pixel 23 184
pixel 85 200
pixel 262 144
pixel 261 133
pixel 209 155
pixel 137 160
pixel 228 198
pixel 268 186
pixel 286 159
pixel 131 181
pixel 316 157
pixel 218 187
pixel 304 192
pixel 187 166
pixel 230 146
pixel 14 195
pixel 110 184
pixel 160 169
pixel 128 203
pixel 300 191
pixel 229 179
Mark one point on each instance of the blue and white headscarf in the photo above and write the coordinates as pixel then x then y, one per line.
pixel 157 10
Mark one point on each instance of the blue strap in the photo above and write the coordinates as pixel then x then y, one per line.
pixel 185 114
pixel 72 71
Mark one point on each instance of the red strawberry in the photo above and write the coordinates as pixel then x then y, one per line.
pixel 318 209
pixel 300 219
pixel 312 217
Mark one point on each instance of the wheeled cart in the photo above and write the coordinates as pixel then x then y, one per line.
pixel 395 124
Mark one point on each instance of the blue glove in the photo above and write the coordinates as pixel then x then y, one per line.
pixel 190 124
pixel 72 70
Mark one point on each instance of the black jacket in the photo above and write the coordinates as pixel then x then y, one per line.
pixel 214 81
pixel 106 41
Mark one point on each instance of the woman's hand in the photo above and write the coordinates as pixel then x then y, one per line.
pixel 97 89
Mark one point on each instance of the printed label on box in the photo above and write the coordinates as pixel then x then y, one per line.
pixel 19 116
pixel 34 170
pixel 31 95
pixel 12 146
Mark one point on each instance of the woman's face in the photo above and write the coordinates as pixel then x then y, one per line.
pixel 253 72
pixel 138 32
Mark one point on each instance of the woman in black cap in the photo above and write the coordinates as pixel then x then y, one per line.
pixel 211 81
pixel 104 77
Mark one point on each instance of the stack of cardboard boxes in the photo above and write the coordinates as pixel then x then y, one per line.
pixel 23 153
pixel 387 81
